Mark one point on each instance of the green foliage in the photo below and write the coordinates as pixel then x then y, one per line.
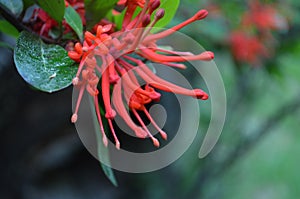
pixel 8 29
pixel 96 10
pixel 74 20
pixel 170 7
pixel 55 8
pixel 14 6
pixel 45 67
pixel 28 3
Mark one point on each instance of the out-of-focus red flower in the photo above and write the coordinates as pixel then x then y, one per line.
pixel 43 22
pixel 260 20
pixel 119 69
pixel 264 17
pixel 246 48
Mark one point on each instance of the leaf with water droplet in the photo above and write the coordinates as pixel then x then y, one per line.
pixel 46 67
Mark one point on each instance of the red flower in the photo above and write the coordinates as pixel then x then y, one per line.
pixel 246 48
pixel 115 51
pixel 264 17
pixel 43 23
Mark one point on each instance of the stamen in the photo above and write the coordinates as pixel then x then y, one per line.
pixel 82 62
pixel 119 105
pixel 74 116
pixel 128 15
pixel 158 15
pixel 154 140
pixel 143 12
pixel 149 54
pixel 146 20
pixel 75 81
pixel 198 16
pixel 173 52
pixel 117 142
pixel 110 113
pixel 104 138
pixel 162 133
pixel 136 87
pixel 164 85
pixel 154 6
pixel 180 66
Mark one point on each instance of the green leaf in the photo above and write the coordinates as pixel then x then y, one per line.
pixel 103 152
pixel 97 10
pixel 8 29
pixel 74 20
pixel 55 8
pixel 170 7
pixel 109 174
pixel 28 3
pixel 45 67
pixel 116 19
pixel 14 6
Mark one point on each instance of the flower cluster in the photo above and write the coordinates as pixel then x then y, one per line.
pixel 43 23
pixel 251 41
pixel 119 69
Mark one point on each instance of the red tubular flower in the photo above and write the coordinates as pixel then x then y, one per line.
pixel 115 50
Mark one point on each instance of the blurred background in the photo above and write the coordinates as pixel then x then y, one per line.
pixel 257 50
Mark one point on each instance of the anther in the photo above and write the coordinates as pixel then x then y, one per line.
pixel 74 118
pixel 160 14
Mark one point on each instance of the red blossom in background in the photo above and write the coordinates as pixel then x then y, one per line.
pixel 252 41
pixel 43 23
pixel 246 48
pixel 263 17
pixel 117 66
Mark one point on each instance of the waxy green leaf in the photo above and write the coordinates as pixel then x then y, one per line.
pixel 170 7
pixel 74 20
pixel 14 6
pixel 55 8
pixel 45 67
pixel 97 10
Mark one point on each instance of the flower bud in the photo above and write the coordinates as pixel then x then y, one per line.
pixel 160 13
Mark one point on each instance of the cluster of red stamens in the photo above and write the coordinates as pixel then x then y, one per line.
pixel 120 69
